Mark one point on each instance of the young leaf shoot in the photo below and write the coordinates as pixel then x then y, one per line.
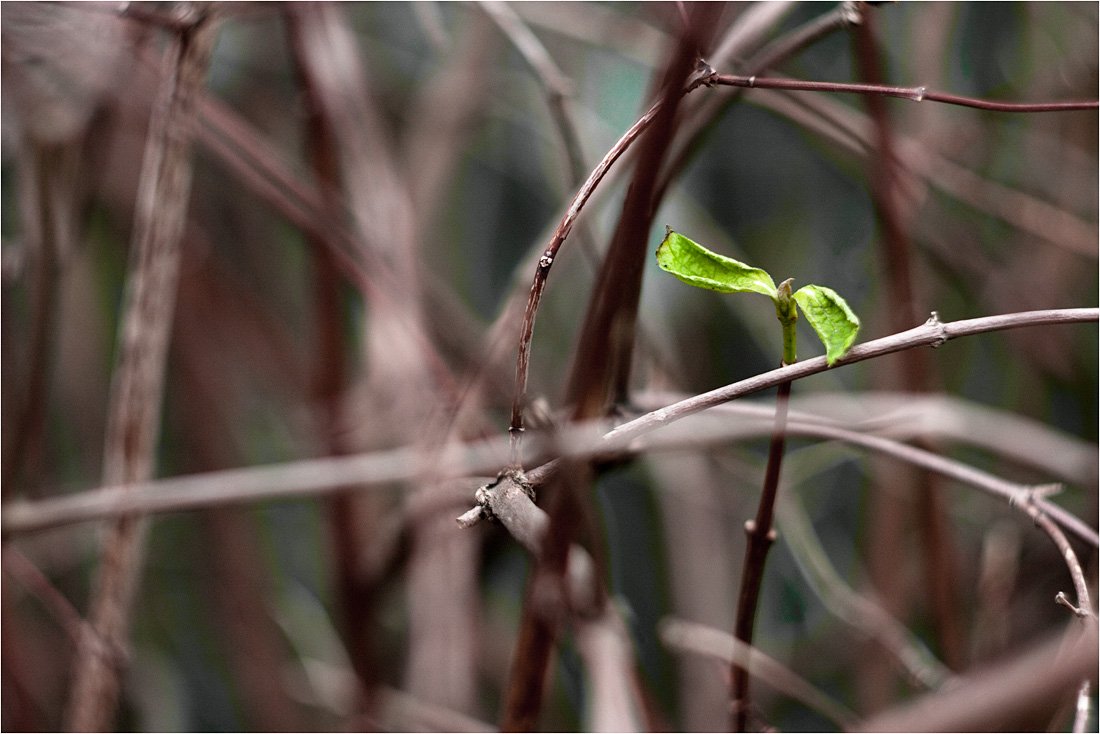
pixel 829 315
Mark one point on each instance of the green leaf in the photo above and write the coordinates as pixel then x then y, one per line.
pixel 835 323
pixel 698 266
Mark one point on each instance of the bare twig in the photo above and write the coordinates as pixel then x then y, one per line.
pixel 850 128
pixel 559 88
pixel 546 261
pixel 759 535
pixel 933 333
pixel 913 94
pixel 26 573
pixel 599 630
pixel 316 477
pixel 843 14
pixel 138 383
pixel 1083 608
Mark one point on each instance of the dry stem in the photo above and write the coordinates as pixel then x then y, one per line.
pixel 138 383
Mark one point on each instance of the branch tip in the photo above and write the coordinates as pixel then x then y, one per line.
pixel 1061 599
pixel 471 517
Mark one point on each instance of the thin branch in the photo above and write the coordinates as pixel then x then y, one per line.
pixel 759 535
pixel 546 261
pixel 316 477
pixel 23 570
pixel 933 333
pixel 846 126
pixel 1083 608
pixel 754 422
pixel 163 192
pixel 558 86
pixel 913 94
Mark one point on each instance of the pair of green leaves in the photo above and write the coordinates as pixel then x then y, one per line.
pixel 829 315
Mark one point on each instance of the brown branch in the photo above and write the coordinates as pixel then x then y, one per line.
pixel 598 628
pixel 607 341
pixel 546 261
pixel 23 570
pixel 602 362
pixel 933 333
pixel 315 477
pixel 847 127
pixel 913 94
pixel 354 595
pixel 138 382
pixel 759 535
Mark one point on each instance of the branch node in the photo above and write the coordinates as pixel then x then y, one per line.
pixel 1029 496
pixel 1063 600
pixel 482 509
pixel 704 75
pixel 941 330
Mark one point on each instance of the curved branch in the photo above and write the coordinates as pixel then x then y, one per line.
pixel 561 232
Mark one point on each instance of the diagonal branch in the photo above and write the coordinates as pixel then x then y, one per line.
pixel 316 477
pixel 139 376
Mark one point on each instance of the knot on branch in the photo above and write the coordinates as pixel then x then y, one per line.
pixel 703 75
pixel 941 330
pixel 1028 497
pixel 483 497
